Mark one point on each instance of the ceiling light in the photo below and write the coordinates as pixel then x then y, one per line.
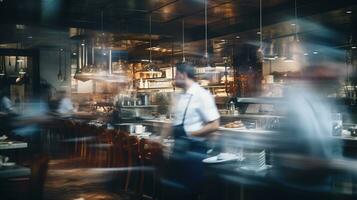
pixel 315 52
pixel 349 12
pixel 20 26
pixel 222 40
pixel 306 54
pixel 293 24
pixel 354 47
pixel 104 54
pixel 29 37
pixel 237 36
pixel 74 54
pixel 82 44
pixel 258 32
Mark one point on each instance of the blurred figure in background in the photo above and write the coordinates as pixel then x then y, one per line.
pixel 65 105
pixel 6 105
pixel 7 112
pixel 28 125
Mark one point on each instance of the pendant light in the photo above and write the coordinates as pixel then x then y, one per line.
pixel 183 41
pixel 270 54
pixel 294 44
pixel 260 26
pixel 150 50
pixel 206 37
pixel 260 52
pixel 150 67
pixel 22 70
pixel 59 75
pixel 65 66
pixel 16 69
pixel 2 66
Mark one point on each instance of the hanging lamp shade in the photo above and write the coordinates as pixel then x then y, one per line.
pixel 293 50
pixel 270 53
pixel 2 66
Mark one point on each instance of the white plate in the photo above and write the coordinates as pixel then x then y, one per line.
pixel 3 138
pixel 230 129
pixel 141 134
pixel 8 164
pixel 231 157
pixel 251 169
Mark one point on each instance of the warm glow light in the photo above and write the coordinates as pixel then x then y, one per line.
pixel 288 60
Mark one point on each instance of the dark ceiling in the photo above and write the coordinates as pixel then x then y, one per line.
pixel 48 20
pixel 224 16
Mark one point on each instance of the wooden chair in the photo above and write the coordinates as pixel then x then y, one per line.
pixel 103 147
pixel 120 159
pixel 151 158
pixel 131 147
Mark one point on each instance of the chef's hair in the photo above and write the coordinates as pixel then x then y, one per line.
pixel 187 69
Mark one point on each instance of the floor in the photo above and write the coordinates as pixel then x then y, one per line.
pixel 69 179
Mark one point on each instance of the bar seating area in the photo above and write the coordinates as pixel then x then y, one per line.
pixel 134 160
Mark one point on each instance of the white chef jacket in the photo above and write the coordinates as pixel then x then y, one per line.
pixel 201 108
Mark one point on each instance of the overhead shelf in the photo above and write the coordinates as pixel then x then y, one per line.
pixel 155 79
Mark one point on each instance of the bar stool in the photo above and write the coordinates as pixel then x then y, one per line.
pixel 151 157
pixel 103 147
pixel 120 158
pixel 131 146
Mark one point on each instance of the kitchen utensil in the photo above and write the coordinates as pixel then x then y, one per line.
pixel 353 131
pixel 59 75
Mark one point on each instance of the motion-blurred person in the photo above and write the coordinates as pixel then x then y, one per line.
pixel 306 149
pixel 28 124
pixel 6 105
pixel 65 106
pixel 196 119
pixel 7 112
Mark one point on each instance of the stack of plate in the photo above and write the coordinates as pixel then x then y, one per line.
pixel 255 160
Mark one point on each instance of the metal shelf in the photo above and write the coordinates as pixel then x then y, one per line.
pixel 155 79
pixel 160 88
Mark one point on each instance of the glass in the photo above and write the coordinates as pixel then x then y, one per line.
pixel 337 124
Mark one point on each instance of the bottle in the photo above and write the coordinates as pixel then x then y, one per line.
pixel 231 107
pixel 141 83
